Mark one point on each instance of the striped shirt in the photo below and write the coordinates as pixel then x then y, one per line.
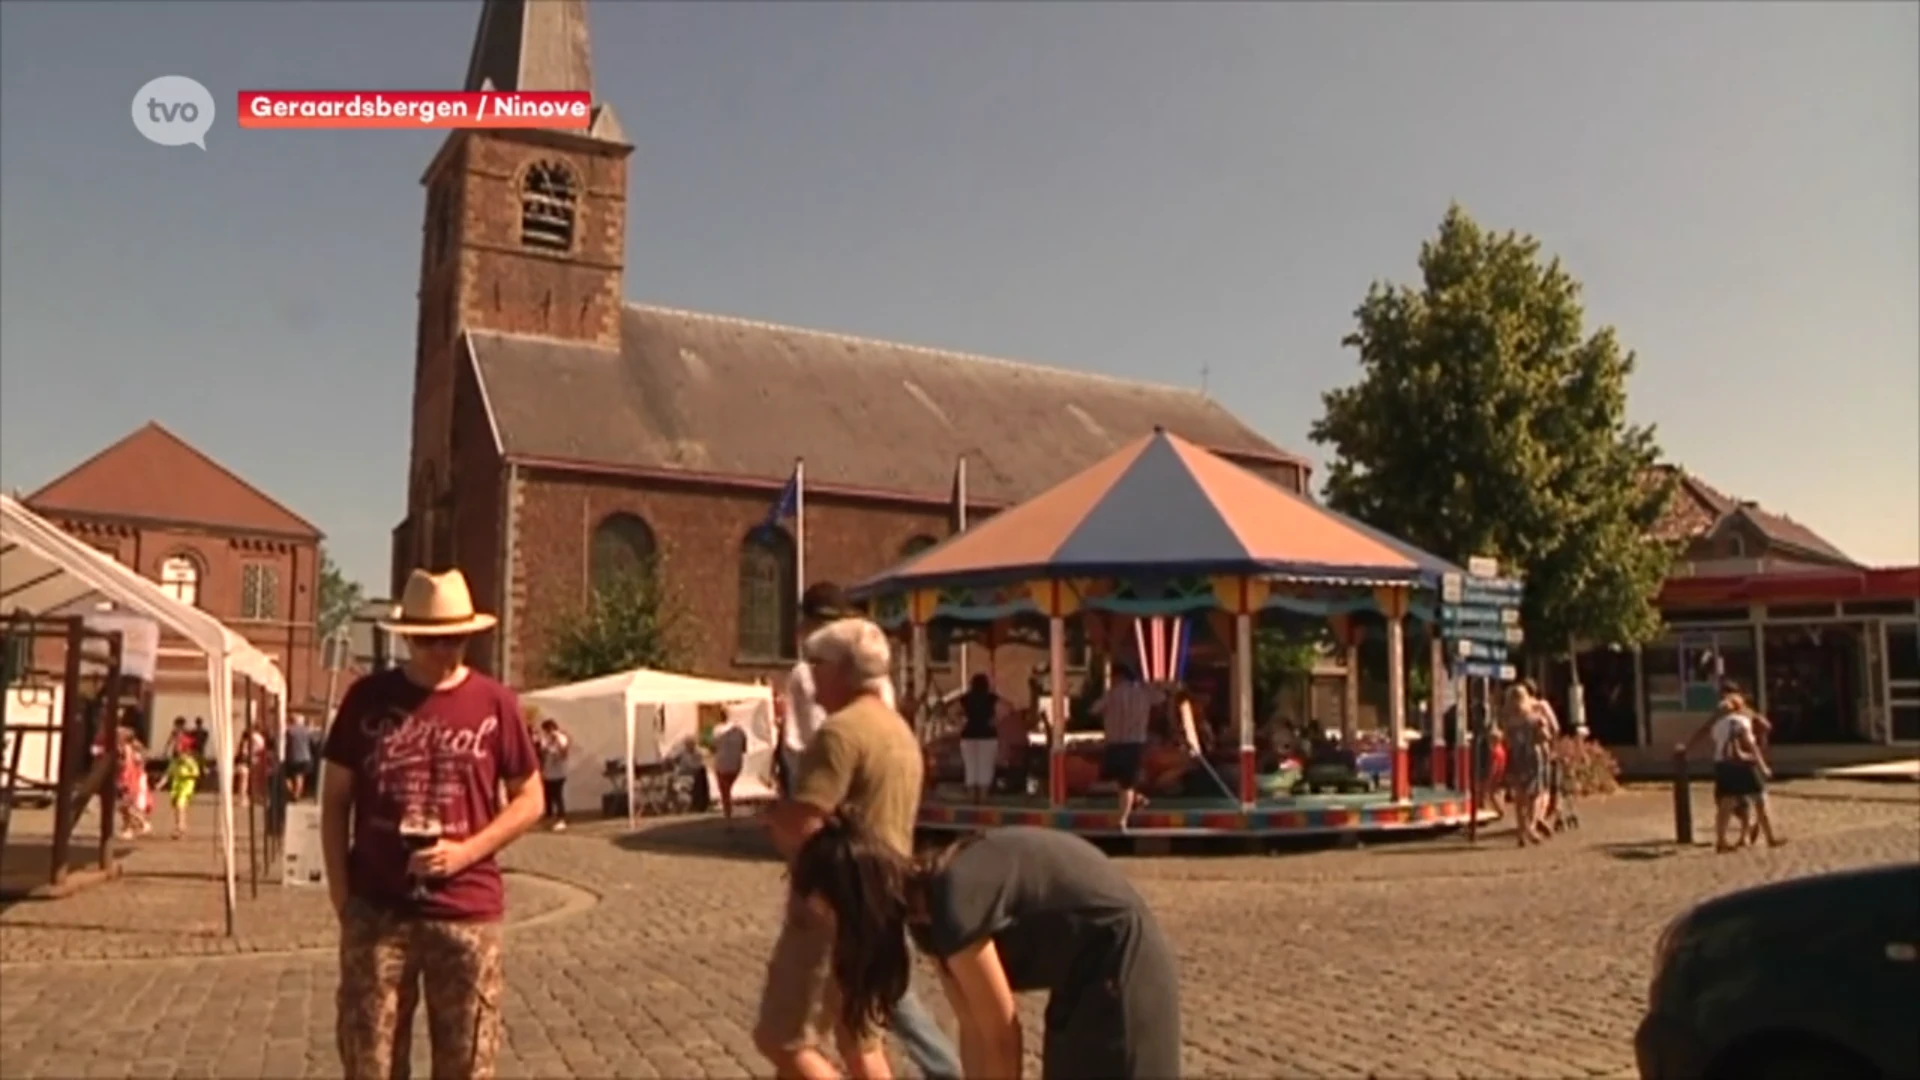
pixel 1127 709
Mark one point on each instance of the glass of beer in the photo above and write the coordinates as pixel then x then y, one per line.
pixel 420 829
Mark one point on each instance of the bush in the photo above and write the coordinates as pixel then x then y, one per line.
pixel 1590 769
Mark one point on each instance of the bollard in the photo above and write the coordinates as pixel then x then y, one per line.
pixel 1682 801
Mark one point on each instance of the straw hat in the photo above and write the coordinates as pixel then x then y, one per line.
pixel 437 605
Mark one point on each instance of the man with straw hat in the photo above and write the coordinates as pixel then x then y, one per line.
pixel 415 758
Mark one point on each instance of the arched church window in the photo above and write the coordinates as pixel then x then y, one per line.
pixel 547 203
pixel 180 578
pixel 766 595
pixel 939 635
pixel 622 544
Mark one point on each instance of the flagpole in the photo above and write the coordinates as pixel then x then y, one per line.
pixel 960 519
pixel 799 530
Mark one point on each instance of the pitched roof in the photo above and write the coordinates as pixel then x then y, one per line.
pixel 723 396
pixel 155 475
pixel 538 45
pixel 1698 508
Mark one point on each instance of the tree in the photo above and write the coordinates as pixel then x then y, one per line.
pixel 339 598
pixel 628 622
pixel 1488 422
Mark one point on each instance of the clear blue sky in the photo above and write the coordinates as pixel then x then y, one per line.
pixel 1134 189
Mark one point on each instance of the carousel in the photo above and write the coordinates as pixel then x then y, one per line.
pixel 1169 557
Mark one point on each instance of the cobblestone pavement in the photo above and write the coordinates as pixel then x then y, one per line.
pixel 642 956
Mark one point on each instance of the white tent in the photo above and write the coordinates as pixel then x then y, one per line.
pixel 44 571
pixel 639 716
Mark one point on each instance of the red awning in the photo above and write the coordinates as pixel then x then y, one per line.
pixel 1885 583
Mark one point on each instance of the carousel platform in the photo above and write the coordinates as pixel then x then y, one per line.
pixel 1273 817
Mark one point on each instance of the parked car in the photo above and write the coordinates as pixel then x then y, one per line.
pixel 1811 977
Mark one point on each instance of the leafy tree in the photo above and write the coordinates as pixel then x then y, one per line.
pixel 1487 421
pixel 628 622
pixel 1283 659
pixel 339 598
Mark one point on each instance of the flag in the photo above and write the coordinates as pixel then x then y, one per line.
pixel 788 504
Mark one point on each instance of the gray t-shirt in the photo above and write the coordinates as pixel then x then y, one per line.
pixel 299 744
pixel 1047 898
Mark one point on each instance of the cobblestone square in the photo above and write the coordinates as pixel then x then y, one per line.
pixel 641 955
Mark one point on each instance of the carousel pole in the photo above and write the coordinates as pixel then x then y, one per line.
pixel 1056 724
pixel 1243 704
pixel 1436 711
pixel 1463 754
pixel 1393 604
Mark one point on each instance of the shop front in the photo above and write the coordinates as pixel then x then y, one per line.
pixel 1831 658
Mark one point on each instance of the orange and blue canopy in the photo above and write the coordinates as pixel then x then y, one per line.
pixel 1161 507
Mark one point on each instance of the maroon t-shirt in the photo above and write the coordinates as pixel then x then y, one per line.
pixel 419 751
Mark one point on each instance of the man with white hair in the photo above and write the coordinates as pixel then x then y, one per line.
pixel 822 603
pixel 864 763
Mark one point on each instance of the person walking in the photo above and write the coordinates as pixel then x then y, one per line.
pixel 411 822
pixel 1010 910
pixel 1126 710
pixel 730 745
pixel 554 746
pixel 299 763
pixel 865 763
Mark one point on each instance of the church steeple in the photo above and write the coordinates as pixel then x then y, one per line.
pixel 538 45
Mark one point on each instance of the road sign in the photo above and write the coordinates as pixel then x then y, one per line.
pixel 1480 650
pixel 1483 566
pixel 1494 632
pixel 1481 669
pixel 1463 616
pixel 1455 589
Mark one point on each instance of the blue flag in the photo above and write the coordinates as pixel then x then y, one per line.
pixel 787 505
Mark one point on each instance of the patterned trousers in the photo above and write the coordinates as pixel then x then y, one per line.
pixel 384 959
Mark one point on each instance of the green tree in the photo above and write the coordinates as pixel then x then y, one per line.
pixel 628 622
pixel 339 598
pixel 1487 421
pixel 1283 659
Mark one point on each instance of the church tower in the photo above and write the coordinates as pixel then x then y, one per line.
pixel 525 233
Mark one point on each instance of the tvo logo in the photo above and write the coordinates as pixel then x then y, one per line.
pixel 173 110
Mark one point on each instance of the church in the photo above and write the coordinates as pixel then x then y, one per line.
pixel 561 433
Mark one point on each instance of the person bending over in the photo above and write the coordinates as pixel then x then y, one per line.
pixel 1012 910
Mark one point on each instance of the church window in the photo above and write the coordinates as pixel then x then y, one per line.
pixel 180 578
pixel 767 595
pixel 622 545
pixel 259 591
pixel 547 205
pixel 939 635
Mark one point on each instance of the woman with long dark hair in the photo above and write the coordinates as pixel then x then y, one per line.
pixel 1013 910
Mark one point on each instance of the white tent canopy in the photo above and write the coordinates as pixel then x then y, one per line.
pixel 638 716
pixel 46 572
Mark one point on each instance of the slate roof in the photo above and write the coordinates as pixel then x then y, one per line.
pixel 721 396
pixel 1698 508
pixel 538 45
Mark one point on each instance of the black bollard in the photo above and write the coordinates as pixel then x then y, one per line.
pixel 1682 801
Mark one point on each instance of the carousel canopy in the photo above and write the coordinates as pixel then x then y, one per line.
pixel 1162 506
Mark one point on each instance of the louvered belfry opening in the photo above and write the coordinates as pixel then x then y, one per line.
pixel 548 204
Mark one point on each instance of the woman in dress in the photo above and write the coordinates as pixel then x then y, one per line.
pixel 1529 741
pixel 1013 910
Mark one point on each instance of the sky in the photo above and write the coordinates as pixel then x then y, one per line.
pixel 1142 190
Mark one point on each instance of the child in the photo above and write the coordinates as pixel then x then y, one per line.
pixel 183 779
pixel 136 798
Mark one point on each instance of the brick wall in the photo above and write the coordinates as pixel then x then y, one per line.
pixel 699 530
pixel 221 557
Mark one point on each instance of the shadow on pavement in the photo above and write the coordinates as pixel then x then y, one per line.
pixel 1640 851
pixel 743 839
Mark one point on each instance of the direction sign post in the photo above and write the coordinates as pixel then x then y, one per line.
pixel 1480 625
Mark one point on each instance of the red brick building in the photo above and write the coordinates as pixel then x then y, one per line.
pixel 560 431
pixel 209 538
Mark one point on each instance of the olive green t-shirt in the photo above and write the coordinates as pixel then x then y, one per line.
pixel 865 760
